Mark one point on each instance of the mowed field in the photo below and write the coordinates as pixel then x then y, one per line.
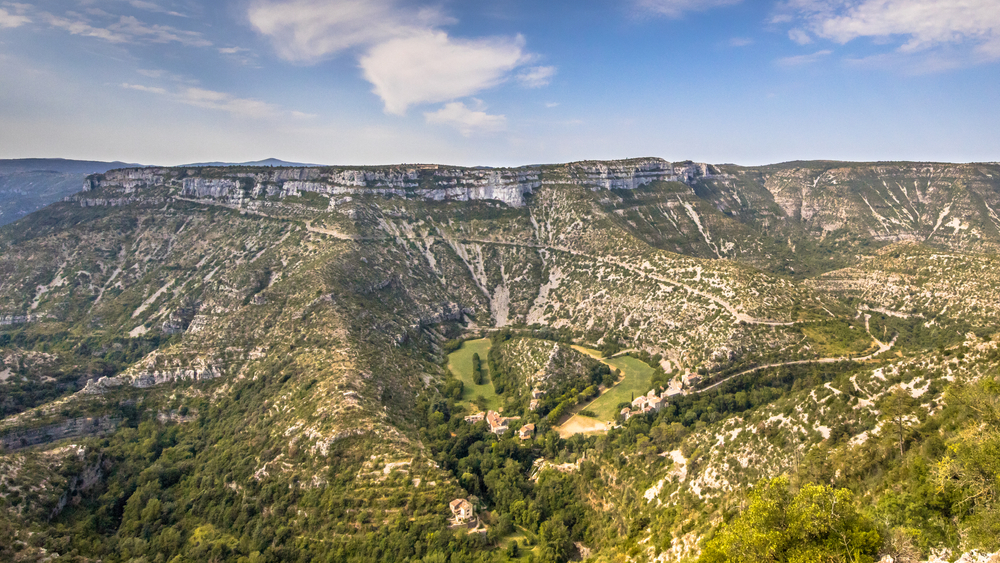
pixel 460 364
pixel 636 380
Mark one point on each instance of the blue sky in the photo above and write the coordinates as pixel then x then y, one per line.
pixel 501 82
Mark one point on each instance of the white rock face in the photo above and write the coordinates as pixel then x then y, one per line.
pixel 507 185
pixel 214 188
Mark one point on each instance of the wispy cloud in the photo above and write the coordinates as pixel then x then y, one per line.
pixel 8 19
pixel 219 101
pixel 799 36
pixel 802 60
pixel 141 88
pixel 153 7
pixel 307 31
pixel 536 77
pixel 740 42
pixel 402 50
pixel 467 120
pixel 127 29
pixel 677 8
pixel 921 25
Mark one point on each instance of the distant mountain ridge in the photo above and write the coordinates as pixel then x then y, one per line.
pixel 265 162
pixel 29 184
pixel 63 165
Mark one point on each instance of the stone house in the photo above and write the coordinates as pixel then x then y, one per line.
pixel 462 510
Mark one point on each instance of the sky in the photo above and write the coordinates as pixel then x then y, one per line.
pixel 500 82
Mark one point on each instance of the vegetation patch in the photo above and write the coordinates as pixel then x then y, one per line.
pixel 837 338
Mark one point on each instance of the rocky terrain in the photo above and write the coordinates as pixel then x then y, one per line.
pixel 279 333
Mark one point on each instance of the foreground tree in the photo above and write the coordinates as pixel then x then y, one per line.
pixel 818 524
pixel 969 473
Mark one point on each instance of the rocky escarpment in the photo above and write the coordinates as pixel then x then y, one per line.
pixel 438 183
pixel 72 428
pixel 433 183
pixel 635 173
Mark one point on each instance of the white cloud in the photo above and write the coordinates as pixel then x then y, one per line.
pixel 551 104
pixel 8 19
pixel 676 8
pixel 431 67
pixel 801 60
pixel 536 76
pixel 799 36
pixel 402 50
pixel 220 101
pixel 740 42
pixel 310 30
pixel 466 120
pixel 922 24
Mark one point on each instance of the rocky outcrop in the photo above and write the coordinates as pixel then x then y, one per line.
pixel 149 377
pixel 114 201
pixel 180 319
pixel 8 320
pixel 72 428
pixel 128 178
pixel 90 476
pixel 444 313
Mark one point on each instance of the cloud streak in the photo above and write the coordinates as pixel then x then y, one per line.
pixel 802 60
pixel 677 8
pixel 536 77
pixel 127 29
pixel 465 119
pixel 218 101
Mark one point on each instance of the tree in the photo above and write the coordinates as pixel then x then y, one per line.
pixel 818 524
pixel 477 370
pixel 896 407
pixel 970 471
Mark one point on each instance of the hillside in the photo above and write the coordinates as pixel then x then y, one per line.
pixel 252 362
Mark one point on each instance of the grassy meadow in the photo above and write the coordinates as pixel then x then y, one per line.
pixel 460 364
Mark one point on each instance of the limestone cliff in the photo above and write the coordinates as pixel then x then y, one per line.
pixel 431 182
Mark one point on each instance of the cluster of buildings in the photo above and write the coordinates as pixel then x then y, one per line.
pixel 650 402
pixel 499 424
